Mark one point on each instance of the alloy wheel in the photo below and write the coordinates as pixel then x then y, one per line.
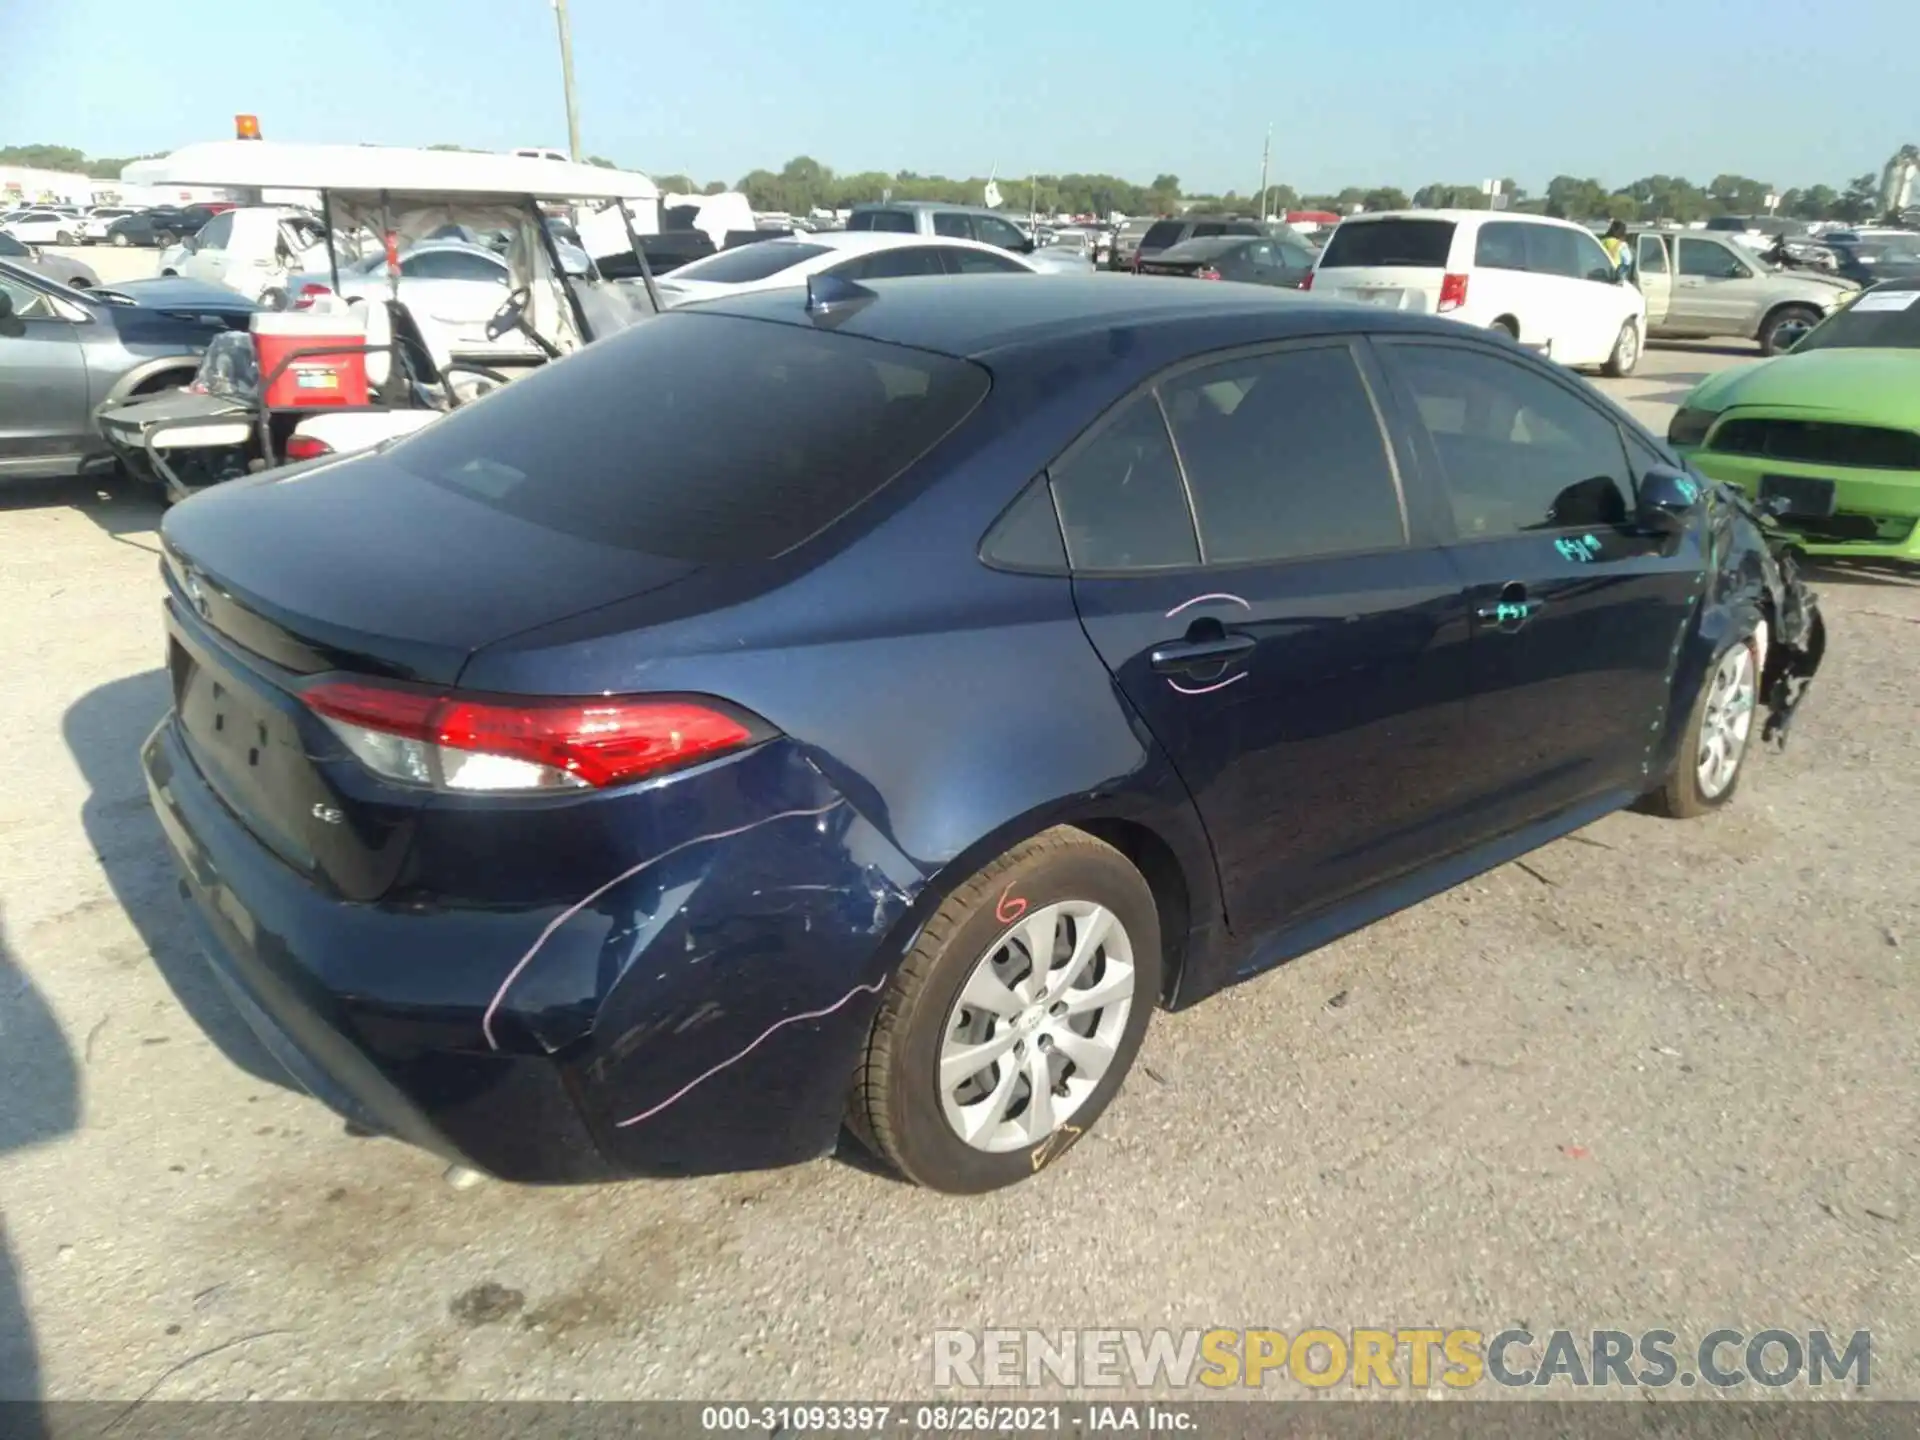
pixel 1728 722
pixel 1038 1023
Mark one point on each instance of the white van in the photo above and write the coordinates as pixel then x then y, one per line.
pixel 252 249
pixel 1548 283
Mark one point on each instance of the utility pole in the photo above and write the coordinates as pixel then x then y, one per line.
pixel 566 74
pixel 1266 150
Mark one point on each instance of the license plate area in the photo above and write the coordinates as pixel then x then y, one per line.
pixel 248 751
pixel 1798 495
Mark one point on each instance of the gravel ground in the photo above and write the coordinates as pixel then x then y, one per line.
pixel 1660 1076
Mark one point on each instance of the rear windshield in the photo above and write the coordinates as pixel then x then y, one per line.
pixel 1162 233
pixel 898 222
pixel 749 262
pixel 1879 319
pixel 707 438
pixel 1414 244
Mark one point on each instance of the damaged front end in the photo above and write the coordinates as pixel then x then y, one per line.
pixel 1798 641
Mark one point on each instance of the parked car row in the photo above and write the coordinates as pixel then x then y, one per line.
pixel 120 225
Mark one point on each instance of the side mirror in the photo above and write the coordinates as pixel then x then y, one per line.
pixel 1668 499
pixel 1027 247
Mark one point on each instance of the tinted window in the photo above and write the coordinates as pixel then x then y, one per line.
pixel 215 234
pixel 454 265
pixel 1419 244
pixel 1552 250
pixel 12 248
pixel 1027 537
pixel 1208 227
pixel 1880 318
pixel 1502 246
pixel 1294 257
pixel 1121 503
pixel 1163 233
pixel 1285 457
pixel 898 222
pixel 993 231
pixel 699 437
pixel 893 264
pixel 749 262
pixel 982 262
pixel 949 222
pixel 1518 452
pixel 1707 259
pixel 1653 255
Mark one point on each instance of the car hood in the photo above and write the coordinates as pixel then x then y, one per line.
pixel 1882 383
pixel 176 292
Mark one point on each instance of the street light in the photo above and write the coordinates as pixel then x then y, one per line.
pixel 566 75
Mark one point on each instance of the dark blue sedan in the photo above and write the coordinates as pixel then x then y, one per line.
pixel 867 707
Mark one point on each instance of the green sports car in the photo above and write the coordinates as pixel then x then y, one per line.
pixel 1827 437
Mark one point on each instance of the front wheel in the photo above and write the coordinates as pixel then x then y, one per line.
pixel 1713 751
pixel 1783 328
pixel 1014 1019
pixel 63 237
pixel 1626 352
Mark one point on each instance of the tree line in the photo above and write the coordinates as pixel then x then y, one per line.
pixel 804 184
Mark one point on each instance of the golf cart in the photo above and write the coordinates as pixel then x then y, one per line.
pixel 363 352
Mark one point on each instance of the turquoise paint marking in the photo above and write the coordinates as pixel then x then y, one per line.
pixel 1579 551
pixel 1688 490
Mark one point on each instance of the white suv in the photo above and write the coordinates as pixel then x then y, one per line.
pixel 1545 282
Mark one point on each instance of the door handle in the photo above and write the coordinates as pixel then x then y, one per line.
pixel 1182 656
pixel 1512 610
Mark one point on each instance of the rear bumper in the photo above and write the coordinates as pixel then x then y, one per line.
pixel 703 1014
pixel 1877 512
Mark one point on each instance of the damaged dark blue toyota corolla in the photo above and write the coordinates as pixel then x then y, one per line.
pixel 869 705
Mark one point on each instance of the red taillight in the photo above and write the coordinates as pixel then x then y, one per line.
pixel 449 743
pixel 1453 292
pixel 1207 272
pixel 1306 282
pixel 306 447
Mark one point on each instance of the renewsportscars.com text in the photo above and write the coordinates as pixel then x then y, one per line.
pixel 1418 1359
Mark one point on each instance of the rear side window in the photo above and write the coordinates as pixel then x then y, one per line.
pixel 953 224
pixel 750 262
pixel 699 437
pixel 1163 233
pixel 1502 245
pixel 1208 228
pixel 1553 251
pixel 1518 452
pixel 1121 501
pixel 983 262
pixel 1285 457
pixel 897 222
pixel 893 264
pixel 1409 244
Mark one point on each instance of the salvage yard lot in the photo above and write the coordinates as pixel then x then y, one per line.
pixel 1659 1075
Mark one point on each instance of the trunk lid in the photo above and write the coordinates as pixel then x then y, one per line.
pixel 321 570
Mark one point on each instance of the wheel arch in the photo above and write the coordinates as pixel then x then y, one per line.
pixel 140 379
pixel 1768 315
pixel 1167 845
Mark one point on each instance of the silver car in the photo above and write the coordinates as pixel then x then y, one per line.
pixel 1699 284
pixel 54 267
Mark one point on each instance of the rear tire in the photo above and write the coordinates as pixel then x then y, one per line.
pixel 969 994
pixel 120 240
pixel 1719 735
pixel 63 237
pixel 1626 352
pixel 1509 325
pixel 1785 326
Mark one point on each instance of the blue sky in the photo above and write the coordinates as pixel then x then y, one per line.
pixel 1389 92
